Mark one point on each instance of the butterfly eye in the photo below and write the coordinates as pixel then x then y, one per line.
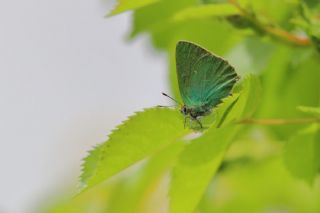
pixel 184 110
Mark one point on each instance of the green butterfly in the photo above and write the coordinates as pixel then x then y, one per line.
pixel 204 80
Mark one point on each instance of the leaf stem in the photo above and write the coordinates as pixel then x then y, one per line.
pixel 287 36
pixel 279 121
pixel 272 30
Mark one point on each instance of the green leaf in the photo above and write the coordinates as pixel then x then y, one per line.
pixel 133 188
pixel 90 163
pixel 281 94
pixel 250 56
pixel 310 110
pixel 309 22
pixel 125 5
pixel 196 166
pixel 302 154
pixel 251 95
pixel 206 11
pixel 259 186
pixel 141 136
pixel 137 187
pixel 244 103
pixel 222 112
pixel 158 15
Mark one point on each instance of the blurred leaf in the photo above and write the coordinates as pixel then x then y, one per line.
pixel 302 154
pixel 274 11
pixel 196 166
pixel 312 3
pixel 289 80
pixel 158 15
pixel 133 189
pixel 251 56
pixel 125 5
pixel 139 186
pixel 142 135
pixel 272 79
pixel 309 21
pixel 316 41
pixel 260 186
pixel 206 11
pixel 213 1
pixel 310 110
pixel 249 96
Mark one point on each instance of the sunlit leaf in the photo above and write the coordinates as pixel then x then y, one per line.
pixel 125 5
pixel 223 110
pixel 310 110
pixel 302 153
pixel 140 186
pixel 251 95
pixel 259 186
pixel 206 11
pixel 288 71
pixel 142 135
pixel 196 167
pixel 158 15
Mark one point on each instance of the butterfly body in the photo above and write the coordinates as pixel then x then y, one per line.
pixel 204 79
pixel 195 112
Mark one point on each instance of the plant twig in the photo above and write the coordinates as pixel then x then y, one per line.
pixel 279 121
pixel 272 30
pixel 287 36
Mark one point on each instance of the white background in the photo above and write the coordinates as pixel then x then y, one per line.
pixel 67 77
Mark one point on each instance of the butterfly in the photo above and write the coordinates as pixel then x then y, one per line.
pixel 204 80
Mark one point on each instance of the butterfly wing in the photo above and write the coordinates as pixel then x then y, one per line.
pixel 204 79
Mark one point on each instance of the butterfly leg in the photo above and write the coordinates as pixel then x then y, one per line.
pixel 199 123
pixel 185 121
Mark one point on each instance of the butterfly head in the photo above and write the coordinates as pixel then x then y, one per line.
pixel 184 110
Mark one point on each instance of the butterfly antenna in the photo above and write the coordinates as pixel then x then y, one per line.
pixel 171 98
pixel 166 106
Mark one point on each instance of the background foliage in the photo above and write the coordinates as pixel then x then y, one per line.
pixel 261 150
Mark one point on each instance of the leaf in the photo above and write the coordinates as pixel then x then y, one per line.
pixel 142 135
pixel 251 95
pixel 302 154
pixel 224 109
pixel 281 93
pixel 137 187
pixel 309 22
pixel 277 11
pixel 196 166
pixel 310 110
pixel 125 5
pixel 158 15
pixel 133 188
pixel 259 186
pixel 244 103
pixel 201 158
pixel 250 56
pixel 90 163
pixel 206 11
